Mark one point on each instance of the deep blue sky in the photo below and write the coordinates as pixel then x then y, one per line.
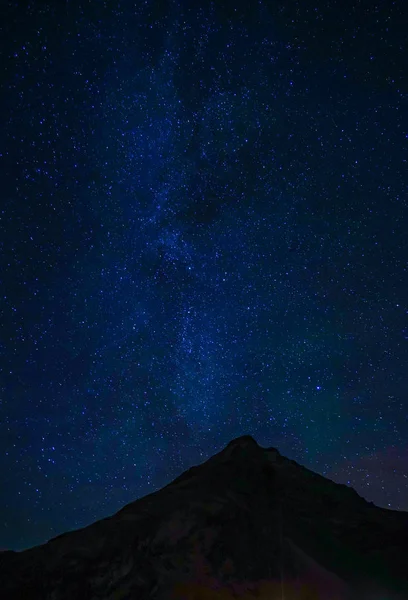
pixel 203 234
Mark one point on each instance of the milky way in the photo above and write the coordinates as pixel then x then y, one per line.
pixel 203 235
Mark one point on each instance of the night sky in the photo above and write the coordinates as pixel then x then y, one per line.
pixel 203 234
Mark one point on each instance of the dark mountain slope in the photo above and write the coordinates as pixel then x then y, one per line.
pixel 248 523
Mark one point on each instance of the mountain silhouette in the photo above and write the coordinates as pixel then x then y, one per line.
pixel 246 524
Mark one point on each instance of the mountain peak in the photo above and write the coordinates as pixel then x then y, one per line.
pixel 243 441
pixel 247 522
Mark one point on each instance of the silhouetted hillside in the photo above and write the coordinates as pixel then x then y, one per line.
pixel 248 523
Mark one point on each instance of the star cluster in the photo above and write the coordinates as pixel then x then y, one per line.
pixel 203 235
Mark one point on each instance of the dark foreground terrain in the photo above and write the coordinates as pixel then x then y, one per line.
pixel 248 523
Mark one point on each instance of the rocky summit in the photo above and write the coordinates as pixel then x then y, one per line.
pixel 246 524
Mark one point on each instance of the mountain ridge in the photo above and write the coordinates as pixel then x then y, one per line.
pixel 246 521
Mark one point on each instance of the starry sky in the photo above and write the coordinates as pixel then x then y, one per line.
pixel 203 234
